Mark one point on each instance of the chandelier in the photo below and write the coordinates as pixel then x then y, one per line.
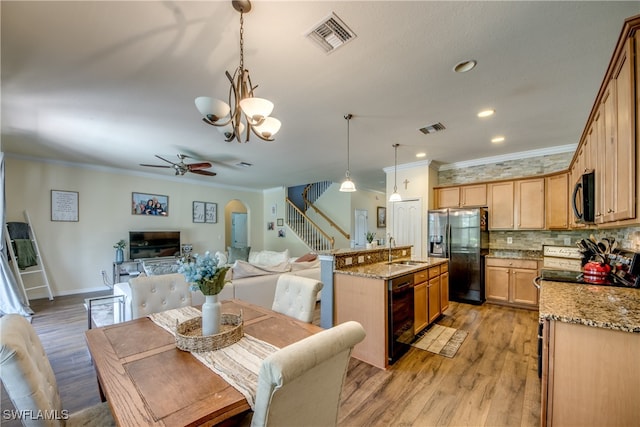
pixel 243 112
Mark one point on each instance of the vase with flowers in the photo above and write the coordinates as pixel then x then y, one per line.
pixel 119 247
pixel 204 274
pixel 370 235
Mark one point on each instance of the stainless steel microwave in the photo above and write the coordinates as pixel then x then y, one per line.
pixel 584 197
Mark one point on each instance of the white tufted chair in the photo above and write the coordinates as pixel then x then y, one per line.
pixel 296 296
pixel 300 385
pixel 154 294
pixel 30 382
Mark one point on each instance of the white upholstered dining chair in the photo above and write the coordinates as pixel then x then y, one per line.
pixel 31 384
pixel 301 384
pixel 153 294
pixel 296 296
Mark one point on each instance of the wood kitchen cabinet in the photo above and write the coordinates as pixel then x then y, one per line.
pixel 433 289
pixel 500 198
pixel 556 194
pixel 529 204
pixel 461 197
pixel 431 295
pixel 590 376
pixel 516 205
pixel 510 282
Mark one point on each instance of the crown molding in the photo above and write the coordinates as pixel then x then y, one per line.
pixel 412 165
pixel 513 156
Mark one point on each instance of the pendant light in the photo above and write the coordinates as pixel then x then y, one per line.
pixel 347 185
pixel 395 196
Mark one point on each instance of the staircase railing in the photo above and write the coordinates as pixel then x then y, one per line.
pixel 326 218
pixel 312 192
pixel 307 230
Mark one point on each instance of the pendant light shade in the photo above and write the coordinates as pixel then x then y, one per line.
pixel 347 185
pixel 395 196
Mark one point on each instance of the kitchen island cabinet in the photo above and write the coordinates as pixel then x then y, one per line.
pixel 361 294
pixel 590 347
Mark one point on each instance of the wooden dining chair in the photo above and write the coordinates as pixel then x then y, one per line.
pixel 296 296
pixel 300 385
pixel 31 384
pixel 153 294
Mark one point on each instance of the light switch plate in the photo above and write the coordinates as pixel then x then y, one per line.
pixel 509 240
pixel 348 261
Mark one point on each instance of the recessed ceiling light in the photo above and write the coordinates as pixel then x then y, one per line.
pixel 486 113
pixel 421 155
pixel 498 139
pixel 464 66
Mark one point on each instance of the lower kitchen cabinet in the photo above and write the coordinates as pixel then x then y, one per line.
pixel 590 376
pixel 431 295
pixel 510 282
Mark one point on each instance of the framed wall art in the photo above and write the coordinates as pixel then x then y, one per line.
pixel 382 217
pixel 197 212
pixel 211 213
pixel 149 204
pixel 280 222
pixel 64 205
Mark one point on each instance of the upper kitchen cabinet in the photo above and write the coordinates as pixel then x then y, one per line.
pixel 462 196
pixel 608 143
pixel 500 198
pixel 516 205
pixel 557 201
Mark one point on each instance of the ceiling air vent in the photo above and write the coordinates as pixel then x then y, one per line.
pixel 433 128
pixel 331 33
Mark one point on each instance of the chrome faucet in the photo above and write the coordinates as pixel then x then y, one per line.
pixel 391 240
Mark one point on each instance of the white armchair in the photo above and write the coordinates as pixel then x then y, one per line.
pixel 296 296
pixel 31 384
pixel 300 385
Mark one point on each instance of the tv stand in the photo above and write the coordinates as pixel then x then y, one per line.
pixel 126 270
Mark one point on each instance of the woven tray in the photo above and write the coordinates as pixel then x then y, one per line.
pixel 189 334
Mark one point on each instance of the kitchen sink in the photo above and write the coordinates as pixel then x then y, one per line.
pixel 407 262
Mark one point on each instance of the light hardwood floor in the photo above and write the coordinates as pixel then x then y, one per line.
pixel 492 380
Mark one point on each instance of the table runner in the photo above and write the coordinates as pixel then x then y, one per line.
pixel 238 364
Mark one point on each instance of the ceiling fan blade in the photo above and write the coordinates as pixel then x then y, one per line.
pixel 168 161
pixel 155 166
pixel 198 166
pixel 203 172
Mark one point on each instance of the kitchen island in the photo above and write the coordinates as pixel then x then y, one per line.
pixel 361 293
pixel 590 350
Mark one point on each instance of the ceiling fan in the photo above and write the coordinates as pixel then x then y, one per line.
pixel 181 167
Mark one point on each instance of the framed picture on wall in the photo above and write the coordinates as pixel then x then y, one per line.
pixel 149 204
pixel 211 213
pixel 197 212
pixel 382 217
pixel 280 222
pixel 64 205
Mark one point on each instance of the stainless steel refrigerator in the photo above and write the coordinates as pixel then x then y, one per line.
pixel 461 235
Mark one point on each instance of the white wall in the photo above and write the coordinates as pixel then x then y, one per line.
pixel 275 197
pixel 74 253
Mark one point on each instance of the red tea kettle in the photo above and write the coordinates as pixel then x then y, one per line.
pixel 596 272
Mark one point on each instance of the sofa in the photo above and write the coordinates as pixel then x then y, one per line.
pixel 253 280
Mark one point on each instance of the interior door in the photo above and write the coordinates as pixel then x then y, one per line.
pixel 361 227
pixel 239 229
pixel 407 225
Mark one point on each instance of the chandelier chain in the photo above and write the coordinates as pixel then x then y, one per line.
pixel 241 41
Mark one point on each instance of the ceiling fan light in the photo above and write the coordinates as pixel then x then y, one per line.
pixel 348 186
pixel 211 108
pixel 269 127
pixel 395 197
pixel 256 109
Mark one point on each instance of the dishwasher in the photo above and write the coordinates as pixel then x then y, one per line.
pixel 400 316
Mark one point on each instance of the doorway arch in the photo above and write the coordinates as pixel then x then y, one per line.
pixel 236 217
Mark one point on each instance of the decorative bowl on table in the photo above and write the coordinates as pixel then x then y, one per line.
pixel 189 334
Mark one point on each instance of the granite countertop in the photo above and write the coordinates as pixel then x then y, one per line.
pixel 386 271
pixel 606 307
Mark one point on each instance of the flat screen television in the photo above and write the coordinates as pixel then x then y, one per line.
pixel 153 244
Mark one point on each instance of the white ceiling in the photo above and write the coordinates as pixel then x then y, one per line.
pixel 113 83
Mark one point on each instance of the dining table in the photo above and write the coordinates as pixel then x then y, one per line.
pixel 148 381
